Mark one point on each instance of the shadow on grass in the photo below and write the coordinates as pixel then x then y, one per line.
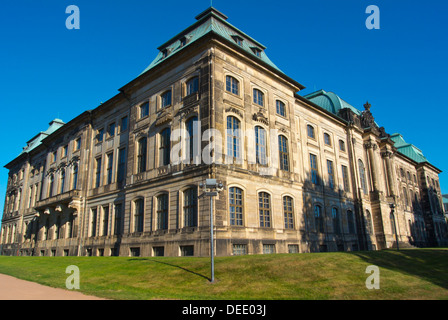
pixel 171 265
pixel 428 264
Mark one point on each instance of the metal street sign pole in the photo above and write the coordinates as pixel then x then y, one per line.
pixel 212 246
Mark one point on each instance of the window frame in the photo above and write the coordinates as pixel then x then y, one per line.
pixel 280 108
pixel 166 99
pixel 236 206
pixel 283 150
pixel 264 209
pixel 258 97
pixel 232 85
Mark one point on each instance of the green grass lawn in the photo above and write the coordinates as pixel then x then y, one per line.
pixel 404 274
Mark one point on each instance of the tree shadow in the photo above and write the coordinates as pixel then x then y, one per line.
pixel 171 265
pixel 428 264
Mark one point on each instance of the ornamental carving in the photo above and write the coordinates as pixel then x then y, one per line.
pixel 164 117
pixel 260 117
pixel 235 110
pixel 370 144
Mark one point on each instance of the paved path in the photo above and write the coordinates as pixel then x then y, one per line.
pixel 15 289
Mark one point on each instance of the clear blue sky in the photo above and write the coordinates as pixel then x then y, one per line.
pixel 48 71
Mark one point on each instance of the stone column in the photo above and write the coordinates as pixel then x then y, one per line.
pixel 371 146
pixel 387 156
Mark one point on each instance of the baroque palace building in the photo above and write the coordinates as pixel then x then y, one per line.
pixel 300 173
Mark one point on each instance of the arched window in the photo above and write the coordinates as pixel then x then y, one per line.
pixel 165 147
pixel 310 131
pixel 264 209
pixel 351 221
pixel 192 86
pixel 281 108
pixel 260 145
pixel 336 220
pixel 283 153
pixel 139 212
pixel 190 207
pixel 193 133
pixel 236 206
pixel 327 139
pixel 318 219
pixel 258 97
pixel 288 212
pixel 162 212
pixel 141 155
pixel 362 176
pixel 62 182
pixel 233 137
pixel 232 85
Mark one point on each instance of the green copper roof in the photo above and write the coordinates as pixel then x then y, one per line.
pixel 37 139
pixel 209 21
pixel 407 149
pixel 330 101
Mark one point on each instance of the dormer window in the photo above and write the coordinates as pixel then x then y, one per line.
pixel 183 41
pixel 164 53
pixel 257 51
pixel 238 40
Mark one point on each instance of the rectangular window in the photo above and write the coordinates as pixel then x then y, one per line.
pixel 118 218
pixel 139 211
pixel 93 222
pixel 110 161
pixel 166 99
pixel 135 252
pixel 64 151
pixel 239 249
pixel 144 110
pixel 268 248
pixel 124 124
pixel 77 144
pixel 158 251
pixel 111 130
pixel 98 173
pixel 330 174
pixel 293 248
pixel 105 221
pixel 121 165
pixel 187 251
pixel 314 171
pixel 100 135
pixel 162 212
pixel 190 208
pixel 346 179
pixel 283 153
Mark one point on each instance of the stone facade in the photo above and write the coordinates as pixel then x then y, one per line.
pixel 297 177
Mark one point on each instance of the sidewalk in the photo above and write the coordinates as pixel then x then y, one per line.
pixel 15 289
